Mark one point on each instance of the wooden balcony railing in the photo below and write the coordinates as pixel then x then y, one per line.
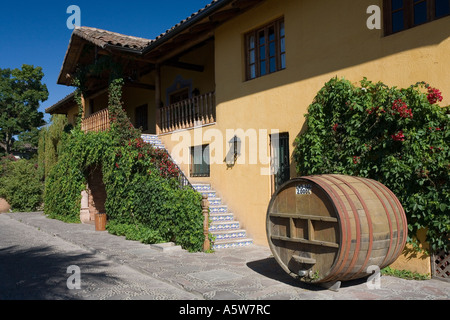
pixel 188 113
pixel 96 122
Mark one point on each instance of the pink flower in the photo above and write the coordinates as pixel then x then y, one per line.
pixel 335 127
pixel 402 109
pixel 398 136
pixel 434 95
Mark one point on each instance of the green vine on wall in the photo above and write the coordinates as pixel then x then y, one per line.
pixel 399 137
pixel 144 197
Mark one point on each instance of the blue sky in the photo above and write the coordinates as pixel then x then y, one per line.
pixel 35 32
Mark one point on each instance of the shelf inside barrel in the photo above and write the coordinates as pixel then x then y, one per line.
pixel 304 260
pixel 306 241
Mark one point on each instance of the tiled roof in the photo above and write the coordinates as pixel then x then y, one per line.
pixel 195 14
pixel 147 48
pixel 68 100
pixel 103 38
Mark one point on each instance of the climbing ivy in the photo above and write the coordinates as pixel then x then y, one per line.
pixel 144 197
pixel 399 137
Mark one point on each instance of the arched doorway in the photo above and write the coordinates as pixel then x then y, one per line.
pixel 93 199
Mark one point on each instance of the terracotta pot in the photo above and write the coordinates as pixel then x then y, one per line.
pixel 4 206
pixel 100 221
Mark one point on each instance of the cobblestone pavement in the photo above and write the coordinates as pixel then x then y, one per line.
pixel 34 266
pixel 132 270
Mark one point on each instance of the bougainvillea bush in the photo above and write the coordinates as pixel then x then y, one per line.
pixel 144 198
pixel 399 137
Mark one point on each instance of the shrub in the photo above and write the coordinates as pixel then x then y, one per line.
pixel 136 232
pixel 20 184
pixel 399 137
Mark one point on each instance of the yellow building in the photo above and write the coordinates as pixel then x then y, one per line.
pixel 236 78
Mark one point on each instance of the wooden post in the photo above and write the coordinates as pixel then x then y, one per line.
pixel 158 98
pixel 83 107
pixel 205 208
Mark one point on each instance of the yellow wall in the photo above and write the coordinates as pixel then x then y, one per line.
pixel 324 39
pixel 414 261
pixel 203 81
pixel 72 115
pixel 134 98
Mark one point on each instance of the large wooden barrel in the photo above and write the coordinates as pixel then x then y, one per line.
pixel 330 228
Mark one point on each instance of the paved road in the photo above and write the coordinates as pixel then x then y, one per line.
pixel 34 265
pixel 35 253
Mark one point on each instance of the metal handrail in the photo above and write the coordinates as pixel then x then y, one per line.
pixel 182 179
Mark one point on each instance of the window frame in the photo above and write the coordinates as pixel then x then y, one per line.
pixel 205 166
pixel 408 15
pixel 257 46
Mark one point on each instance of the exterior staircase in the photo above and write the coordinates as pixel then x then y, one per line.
pixel 224 228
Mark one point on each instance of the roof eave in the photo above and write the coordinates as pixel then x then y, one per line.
pixel 67 100
pixel 183 26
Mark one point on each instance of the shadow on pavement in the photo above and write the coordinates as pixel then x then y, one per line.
pixel 271 269
pixel 41 274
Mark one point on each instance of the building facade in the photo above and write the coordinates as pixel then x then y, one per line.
pixel 226 90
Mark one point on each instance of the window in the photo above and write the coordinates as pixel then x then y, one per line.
pixel 200 161
pixel 265 50
pixel 405 14
pixel 142 117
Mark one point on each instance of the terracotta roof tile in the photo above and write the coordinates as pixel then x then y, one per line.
pixel 102 38
pixel 187 19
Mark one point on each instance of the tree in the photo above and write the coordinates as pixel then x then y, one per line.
pixel 50 143
pixel 400 137
pixel 21 92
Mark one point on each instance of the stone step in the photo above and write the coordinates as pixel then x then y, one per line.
pixel 202 186
pixel 215 201
pixel 217 217
pixel 236 243
pixel 224 225
pixel 150 138
pixel 229 235
pixel 210 193
pixel 222 208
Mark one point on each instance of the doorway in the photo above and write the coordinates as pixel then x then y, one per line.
pixel 279 157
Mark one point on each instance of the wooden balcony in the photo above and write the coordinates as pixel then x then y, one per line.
pixel 189 113
pixel 96 122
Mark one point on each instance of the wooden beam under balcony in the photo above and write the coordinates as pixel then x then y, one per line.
pixel 185 65
pixel 140 85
